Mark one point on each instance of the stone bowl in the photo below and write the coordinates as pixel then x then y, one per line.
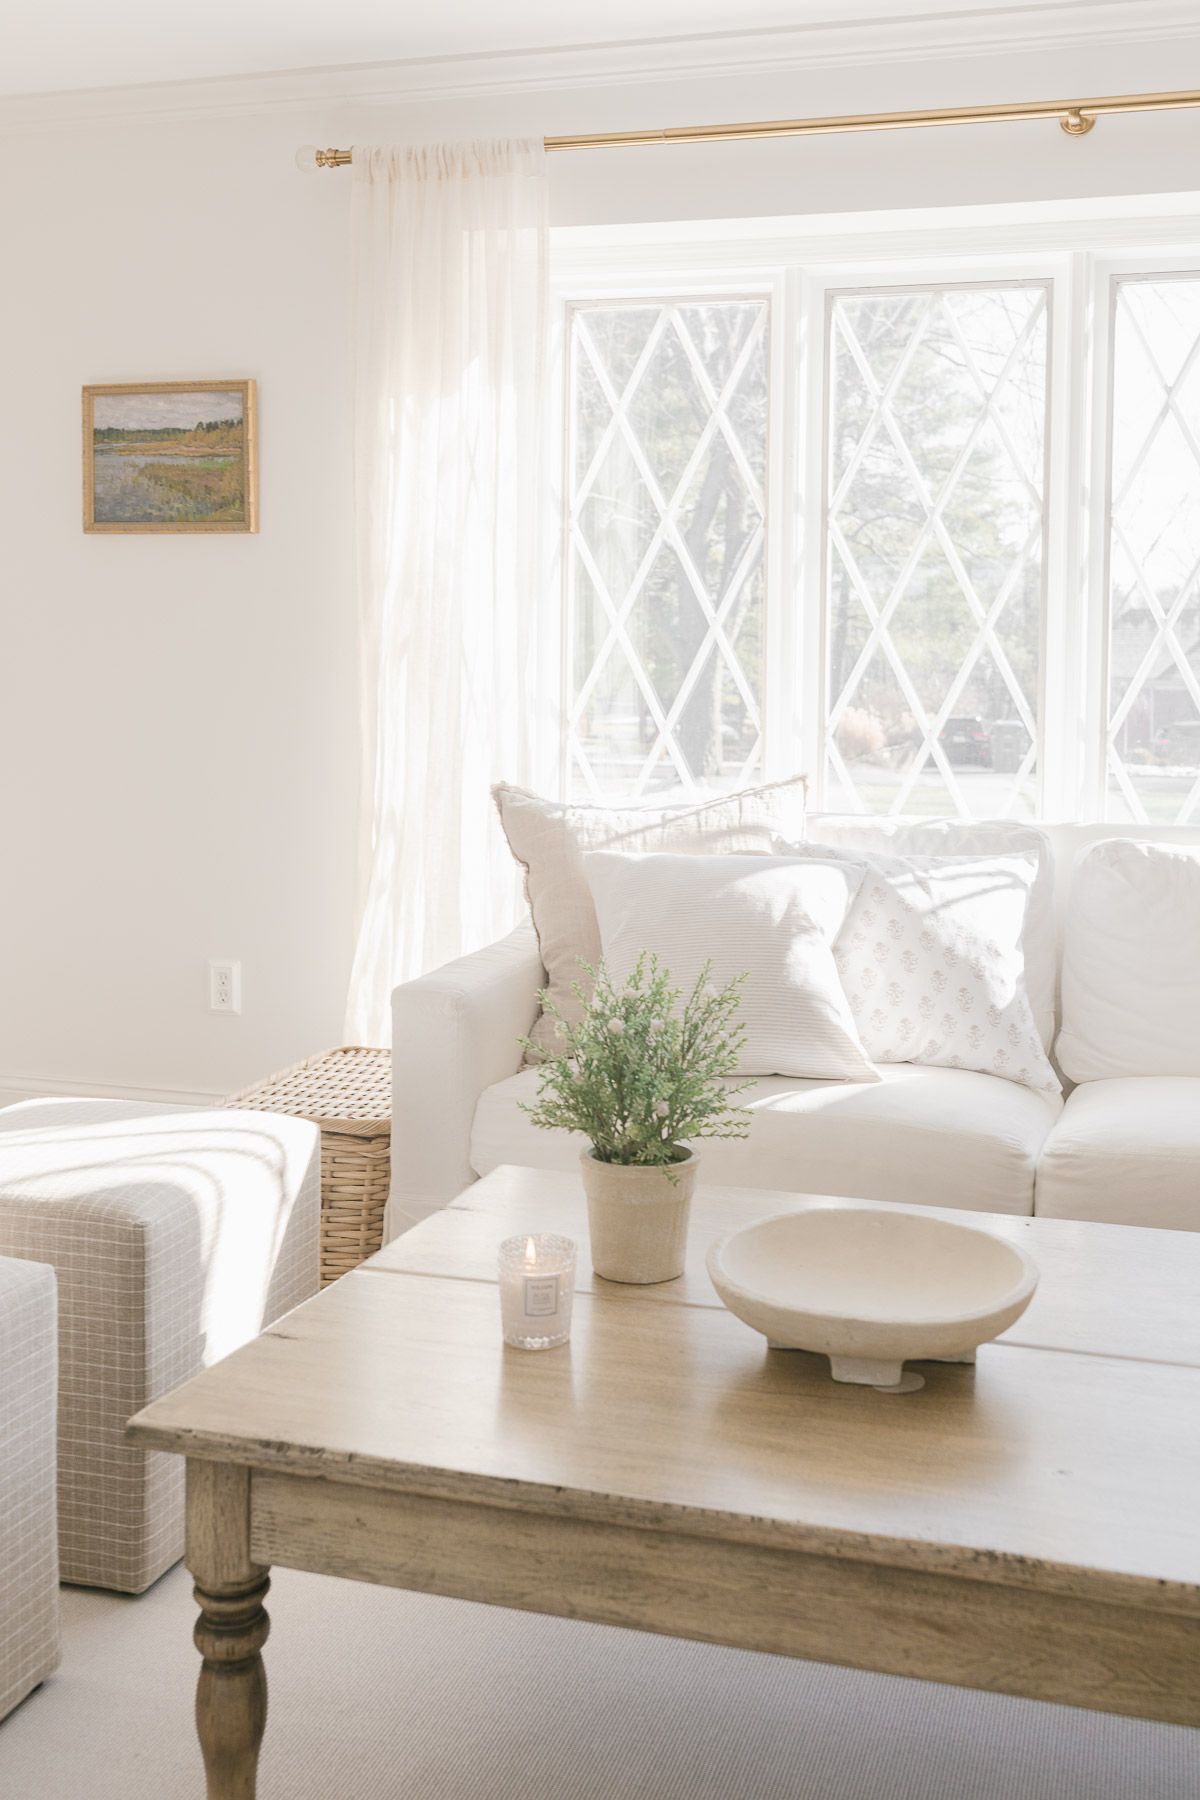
pixel 872 1287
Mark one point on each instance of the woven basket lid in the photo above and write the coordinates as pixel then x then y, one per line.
pixel 349 1087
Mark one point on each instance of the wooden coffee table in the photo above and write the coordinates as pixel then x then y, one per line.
pixel 1028 1526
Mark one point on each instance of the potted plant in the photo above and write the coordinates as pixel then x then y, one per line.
pixel 641 1078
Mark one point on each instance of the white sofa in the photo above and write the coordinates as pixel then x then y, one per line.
pixel 1125 1149
pixel 176 1235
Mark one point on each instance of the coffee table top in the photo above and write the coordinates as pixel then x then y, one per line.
pixel 1068 1459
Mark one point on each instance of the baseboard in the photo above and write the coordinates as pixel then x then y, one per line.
pixel 36 1087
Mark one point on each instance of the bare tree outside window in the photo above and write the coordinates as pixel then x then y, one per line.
pixel 934 603
pixel 667 475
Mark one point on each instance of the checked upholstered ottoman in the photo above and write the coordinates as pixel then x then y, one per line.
pixel 28 1537
pixel 176 1235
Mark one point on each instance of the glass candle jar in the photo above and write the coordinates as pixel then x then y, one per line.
pixel 537 1285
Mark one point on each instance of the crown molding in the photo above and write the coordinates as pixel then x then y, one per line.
pixel 912 37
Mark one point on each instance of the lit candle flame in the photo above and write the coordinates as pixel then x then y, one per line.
pixel 530 1252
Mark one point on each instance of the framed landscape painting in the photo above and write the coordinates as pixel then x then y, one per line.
pixel 169 456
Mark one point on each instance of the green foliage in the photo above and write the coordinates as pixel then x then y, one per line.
pixel 209 487
pixel 226 430
pixel 638 1076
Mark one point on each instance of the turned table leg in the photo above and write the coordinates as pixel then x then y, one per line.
pixel 231 1696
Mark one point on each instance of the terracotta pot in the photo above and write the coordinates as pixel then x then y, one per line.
pixel 638 1218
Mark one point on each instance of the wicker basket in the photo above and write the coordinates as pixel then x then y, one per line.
pixel 348 1094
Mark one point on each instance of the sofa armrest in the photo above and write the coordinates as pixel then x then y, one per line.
pixel 454 1033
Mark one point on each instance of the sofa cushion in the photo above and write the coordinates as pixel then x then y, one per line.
pixel 1131 963
pixel 549 839
pixel 1126 1152
pixel 956 837
pixel 922 1136
pixel 770 919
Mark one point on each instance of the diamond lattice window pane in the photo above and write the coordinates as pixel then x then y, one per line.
pixel 1154 554
pixel 668 411
pixel 934 596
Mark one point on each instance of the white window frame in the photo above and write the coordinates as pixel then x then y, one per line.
pixel 820 290
pixel 798 265
pixel 1107 272
pixel 654 296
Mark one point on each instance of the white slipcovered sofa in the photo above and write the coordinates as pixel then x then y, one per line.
pixel 176 1235
pixel 1122 1146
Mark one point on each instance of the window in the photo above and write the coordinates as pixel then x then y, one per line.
pixel 1154 553
pixel 935 453
pixel 928 529
pixel 667 464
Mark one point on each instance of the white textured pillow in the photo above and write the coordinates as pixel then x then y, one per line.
pixel 851 833
pixel 1131 963
pixel 930 958
pixel 774 917
pixel 550 839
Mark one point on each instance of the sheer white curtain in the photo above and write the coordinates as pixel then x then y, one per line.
pixel 450 270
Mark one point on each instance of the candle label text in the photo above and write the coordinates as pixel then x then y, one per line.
pixel 541 1296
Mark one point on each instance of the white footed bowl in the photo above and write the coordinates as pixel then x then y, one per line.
pixel 872 1287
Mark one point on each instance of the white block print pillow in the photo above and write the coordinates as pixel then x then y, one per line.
pixel 930 957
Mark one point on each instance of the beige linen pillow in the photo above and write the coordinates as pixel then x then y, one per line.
pixel 550 839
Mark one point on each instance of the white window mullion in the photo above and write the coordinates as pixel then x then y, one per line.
pixel 811 561
pixel 1065 771
pixel 1092 800
pixel 782 753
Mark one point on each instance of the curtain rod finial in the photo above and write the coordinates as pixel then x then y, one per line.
pixel 308 158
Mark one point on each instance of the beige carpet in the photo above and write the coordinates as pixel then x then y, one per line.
pixel 377 1694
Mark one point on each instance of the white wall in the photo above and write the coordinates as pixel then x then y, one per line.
pixel 178 714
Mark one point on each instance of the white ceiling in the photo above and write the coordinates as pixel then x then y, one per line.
pixel 51 45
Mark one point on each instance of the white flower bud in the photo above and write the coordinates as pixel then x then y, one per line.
pixel 661 1110
pixel 617 1027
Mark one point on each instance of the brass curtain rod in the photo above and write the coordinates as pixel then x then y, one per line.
pixel 1077 117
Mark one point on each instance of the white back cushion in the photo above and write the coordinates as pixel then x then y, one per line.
pixel 774 917
pixel 956 837
pixel 550 838
pixel 1131 963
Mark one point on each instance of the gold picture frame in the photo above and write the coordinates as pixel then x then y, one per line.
pixel 170 456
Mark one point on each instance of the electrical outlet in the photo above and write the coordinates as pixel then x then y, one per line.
pixel 225 987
